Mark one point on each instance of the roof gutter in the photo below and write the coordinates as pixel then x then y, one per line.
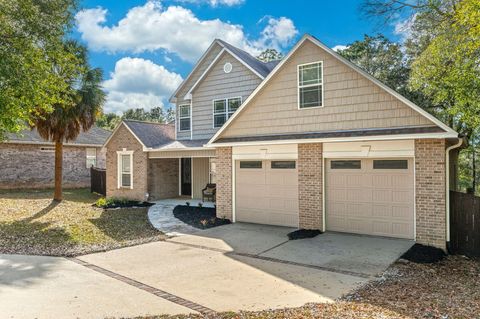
pixel 447 184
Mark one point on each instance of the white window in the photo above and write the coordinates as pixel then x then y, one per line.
pixel 91 157
pixel 223 109
pixel 310 85
pixel 184 117
pixel 125 169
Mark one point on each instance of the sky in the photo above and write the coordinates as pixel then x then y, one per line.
pixel 146 48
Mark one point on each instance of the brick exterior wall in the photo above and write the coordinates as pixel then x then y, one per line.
pixel 27 166
pixel 163 178
pixel 430 192
pixel 310 187
pixel 124 139
pixel 224 182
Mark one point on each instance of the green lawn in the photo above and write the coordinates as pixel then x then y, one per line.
pixel 30 223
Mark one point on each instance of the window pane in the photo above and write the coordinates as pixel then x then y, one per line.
pixel 219 120
pixel 251 164
pixel 354 164
pixel 219 106
pixel 233 105
pixel 125 163
pixel 311 96
pixel 91 162
pixel 283 164
pixel 126 180
pixel 310 74
pixel 185 124
pixel 390 164
pixel 184 110
pixel 91 152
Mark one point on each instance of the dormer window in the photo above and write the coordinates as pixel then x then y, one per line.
pixel 184 117
pixel 310 85
pixel 223 109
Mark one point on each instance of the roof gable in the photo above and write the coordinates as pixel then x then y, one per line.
pixel 148 134
pixel 281 95
pixel 210 57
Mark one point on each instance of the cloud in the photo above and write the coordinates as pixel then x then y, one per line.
pixel 339 47
pixel 174 29
pixel 277 34
pixel 216 3
pixel 137 82
pixel 403 28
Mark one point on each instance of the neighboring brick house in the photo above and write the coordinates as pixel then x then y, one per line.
pixel 27 161
pixel 310 141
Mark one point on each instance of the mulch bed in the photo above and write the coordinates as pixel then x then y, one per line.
pixel 424 254
pixel 303 233
pixel 199 217
pixel 125 204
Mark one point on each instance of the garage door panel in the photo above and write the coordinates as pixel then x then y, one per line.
pixel 374 201
pixel 266 196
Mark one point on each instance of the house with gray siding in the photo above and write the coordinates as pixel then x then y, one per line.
pixel 311 141
pixel 27 160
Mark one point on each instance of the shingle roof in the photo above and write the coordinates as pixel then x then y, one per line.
pixel 333 134
pixel 94 136
pixel 152 135
pixel 262 68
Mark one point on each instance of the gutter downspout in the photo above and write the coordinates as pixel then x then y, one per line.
pixel 447 184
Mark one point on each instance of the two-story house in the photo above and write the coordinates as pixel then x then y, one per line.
pixel 310 141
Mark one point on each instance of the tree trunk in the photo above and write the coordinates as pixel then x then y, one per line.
pixel 58 171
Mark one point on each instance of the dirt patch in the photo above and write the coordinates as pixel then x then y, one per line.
pixel 424 254
pixel 199 217
pixel 303 233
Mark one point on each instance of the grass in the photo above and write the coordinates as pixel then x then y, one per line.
pixel 31 223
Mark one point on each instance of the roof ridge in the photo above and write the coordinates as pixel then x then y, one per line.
pixel 145 122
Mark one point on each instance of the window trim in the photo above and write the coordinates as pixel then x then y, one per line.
pixel 87 157
pixel 119 168
pixel 310 85
pixel 180 117
pixel 227 116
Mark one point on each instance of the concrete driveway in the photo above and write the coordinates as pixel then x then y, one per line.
pixel 233 267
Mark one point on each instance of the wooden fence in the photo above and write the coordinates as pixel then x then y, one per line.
pixel 98 181
pixel 464 224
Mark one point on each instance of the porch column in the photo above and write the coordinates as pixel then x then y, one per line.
pixel 224 182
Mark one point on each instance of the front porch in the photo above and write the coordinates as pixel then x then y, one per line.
pixel 180 175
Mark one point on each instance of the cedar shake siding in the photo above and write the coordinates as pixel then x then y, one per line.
pixel 28 166
pixel 351 102
pixel 124 139
pixel 217 84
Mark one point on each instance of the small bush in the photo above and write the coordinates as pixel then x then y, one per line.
pixel 187 203
pixel 200 205
pixel 113 202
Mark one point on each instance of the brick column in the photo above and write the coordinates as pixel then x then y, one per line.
pixel 224 182
pixel 310 186
pixel 430 192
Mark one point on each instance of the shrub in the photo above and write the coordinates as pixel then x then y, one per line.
pixel 187 203
pixel 200 205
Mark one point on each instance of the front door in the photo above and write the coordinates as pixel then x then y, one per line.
pixel 186 176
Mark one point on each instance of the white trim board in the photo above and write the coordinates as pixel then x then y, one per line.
pixel 343 60
pixel 129 129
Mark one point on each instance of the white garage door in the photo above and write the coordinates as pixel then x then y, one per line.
pixel 370 196
pixel 266 192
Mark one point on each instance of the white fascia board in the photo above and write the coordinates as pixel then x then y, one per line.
pixel 342 139
pixel 188 96
pixel 172 98
pixel 348 63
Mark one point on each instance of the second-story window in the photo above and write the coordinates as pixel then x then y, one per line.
pixel 310 85
pixel 184 117
pixel 223 109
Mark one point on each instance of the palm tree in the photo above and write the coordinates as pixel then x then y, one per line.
pixel 65 122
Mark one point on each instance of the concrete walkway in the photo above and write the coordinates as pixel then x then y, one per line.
pixel 161 216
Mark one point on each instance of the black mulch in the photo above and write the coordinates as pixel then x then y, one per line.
pixel 303 233
pixel 424 254
pixel 197 217
pixel 125 204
